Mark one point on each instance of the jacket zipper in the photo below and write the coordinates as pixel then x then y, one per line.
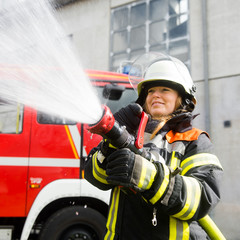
pixel 154 219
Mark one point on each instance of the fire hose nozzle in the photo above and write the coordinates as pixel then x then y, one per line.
pixel 105 124
pixel 117 135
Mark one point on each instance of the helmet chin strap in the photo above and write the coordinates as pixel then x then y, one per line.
pixel 188 104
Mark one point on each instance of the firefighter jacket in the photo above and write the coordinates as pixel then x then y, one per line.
pixel 185 188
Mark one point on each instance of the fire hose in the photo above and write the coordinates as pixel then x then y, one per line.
pixel 119 137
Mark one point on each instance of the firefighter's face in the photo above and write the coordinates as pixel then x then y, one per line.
pixel 161 101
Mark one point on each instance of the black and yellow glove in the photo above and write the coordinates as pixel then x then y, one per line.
pixel 129 116
pixel 125 168
pixel 106 149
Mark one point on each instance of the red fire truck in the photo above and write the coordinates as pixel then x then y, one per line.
pixel 43 193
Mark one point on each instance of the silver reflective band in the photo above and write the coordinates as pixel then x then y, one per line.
pixel 100 157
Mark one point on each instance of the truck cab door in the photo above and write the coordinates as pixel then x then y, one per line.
pixel 54 152
pixel 15 125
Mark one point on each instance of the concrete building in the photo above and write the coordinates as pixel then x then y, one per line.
pixel 212 52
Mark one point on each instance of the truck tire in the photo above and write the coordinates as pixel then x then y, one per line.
pixel 75 222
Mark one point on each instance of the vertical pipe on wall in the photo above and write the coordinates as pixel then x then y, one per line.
pixel 205 67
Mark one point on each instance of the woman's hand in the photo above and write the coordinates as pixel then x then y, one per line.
pixel 125 168
pixel 130 117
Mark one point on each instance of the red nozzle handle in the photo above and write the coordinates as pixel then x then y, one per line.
pixel 140 135
pixel 105 124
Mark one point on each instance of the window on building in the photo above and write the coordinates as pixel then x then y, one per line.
pixel 149 25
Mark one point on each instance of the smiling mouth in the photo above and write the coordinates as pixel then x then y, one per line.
pixel 157 103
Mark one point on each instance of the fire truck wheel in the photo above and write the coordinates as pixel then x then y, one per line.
pixel 73 223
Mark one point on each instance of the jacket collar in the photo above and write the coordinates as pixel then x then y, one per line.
pixel 179 123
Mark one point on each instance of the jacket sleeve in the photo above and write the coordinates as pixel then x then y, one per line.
pixel 95 172
pixel 192 193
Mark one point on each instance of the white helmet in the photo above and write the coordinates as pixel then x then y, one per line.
pixel 170 72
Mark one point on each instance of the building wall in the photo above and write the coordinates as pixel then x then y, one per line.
pixel 89 23
pixel 223 25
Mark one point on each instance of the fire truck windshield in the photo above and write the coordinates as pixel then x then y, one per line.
pixel 128 96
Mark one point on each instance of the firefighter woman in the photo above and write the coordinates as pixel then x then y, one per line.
pixel 164 197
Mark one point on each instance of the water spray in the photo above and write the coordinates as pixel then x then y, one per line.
pixel 38 64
